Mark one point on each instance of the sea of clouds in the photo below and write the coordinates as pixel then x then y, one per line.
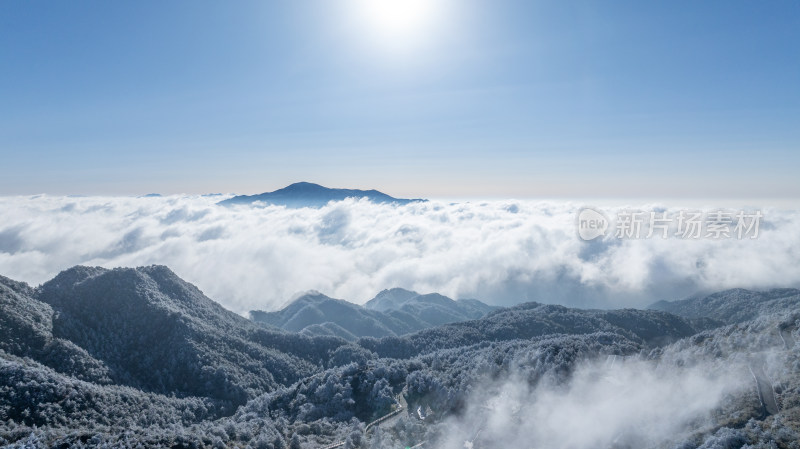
pixel 502 252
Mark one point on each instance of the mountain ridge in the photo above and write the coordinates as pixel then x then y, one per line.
pixel 307 194
pixel 392 312
pixel 134 319
pixel 733 305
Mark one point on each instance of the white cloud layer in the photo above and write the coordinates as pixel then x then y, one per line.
pixel 629 404
pixel 502 252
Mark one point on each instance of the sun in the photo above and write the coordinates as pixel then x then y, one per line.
pixel 400 18
pixel 398 24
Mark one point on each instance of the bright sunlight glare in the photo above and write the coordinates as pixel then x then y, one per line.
pixel 399 25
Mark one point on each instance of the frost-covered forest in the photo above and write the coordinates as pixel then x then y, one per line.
pixel 140 358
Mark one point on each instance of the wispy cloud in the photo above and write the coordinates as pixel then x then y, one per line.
pixel 625 404
pixel 499 251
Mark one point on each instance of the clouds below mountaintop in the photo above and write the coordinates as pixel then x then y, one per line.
pixel 631 403
pixel 502 252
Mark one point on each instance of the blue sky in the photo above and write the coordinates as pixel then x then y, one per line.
pixel 471 98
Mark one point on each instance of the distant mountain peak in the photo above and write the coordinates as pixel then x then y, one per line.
pixel 390 299
pixel 309 194
pixel 392 312
pixel 394 290
pixel 302 186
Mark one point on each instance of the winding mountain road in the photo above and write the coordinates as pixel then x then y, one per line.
pixel 383 420
pixel 766 393
pixel 764 387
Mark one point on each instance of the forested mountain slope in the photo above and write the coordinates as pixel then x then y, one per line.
pixel 140 358
pixel 159 333
pixel 26 330
pixel 531 320
pixel 735 305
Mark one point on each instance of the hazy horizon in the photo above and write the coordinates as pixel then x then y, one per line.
pixel 595 200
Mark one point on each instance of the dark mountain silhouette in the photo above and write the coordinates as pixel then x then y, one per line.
pixel 391 313
pixel 735 305
pixel 306 194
